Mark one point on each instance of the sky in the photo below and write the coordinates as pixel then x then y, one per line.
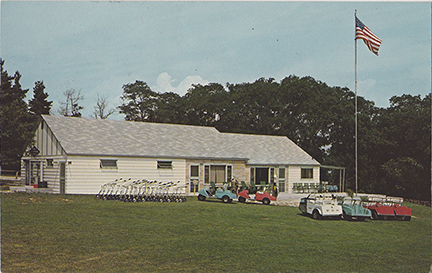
pixel 97 47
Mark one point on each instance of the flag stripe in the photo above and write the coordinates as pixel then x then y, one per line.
pixel 371 40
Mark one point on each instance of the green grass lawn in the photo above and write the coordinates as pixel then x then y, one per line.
pixel 75 233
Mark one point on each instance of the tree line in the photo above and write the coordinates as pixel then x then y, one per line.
pixel 393 142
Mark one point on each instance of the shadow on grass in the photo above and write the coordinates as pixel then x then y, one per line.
pixel 327 218
pixel 215 200
pixel 247 203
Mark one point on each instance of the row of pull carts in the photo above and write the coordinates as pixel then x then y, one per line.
pixel 143 190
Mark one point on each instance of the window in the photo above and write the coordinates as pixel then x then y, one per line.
pixel 281 173
pixel 50 163
pixel 229 173
pixel 164 165
pixel 217 173
pixel 108 163
pixel 272 175
pixel 194 171
pixel 306 173
pixel 207 174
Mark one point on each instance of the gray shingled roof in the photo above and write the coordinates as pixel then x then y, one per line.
pixel 81 136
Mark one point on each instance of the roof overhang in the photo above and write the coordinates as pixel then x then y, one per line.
pixel 164 156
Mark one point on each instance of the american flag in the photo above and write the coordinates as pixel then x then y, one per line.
pixel 363 32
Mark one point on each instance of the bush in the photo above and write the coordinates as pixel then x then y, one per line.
pixel 350 192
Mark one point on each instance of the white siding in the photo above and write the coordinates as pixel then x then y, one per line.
pixel 52 177
pixel 294 176
pixel 84 175
pixel 46 142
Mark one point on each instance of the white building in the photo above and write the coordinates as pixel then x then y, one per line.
pixel 78 155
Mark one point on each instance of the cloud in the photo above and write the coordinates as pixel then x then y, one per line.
pixel 185 84
pixel 164 83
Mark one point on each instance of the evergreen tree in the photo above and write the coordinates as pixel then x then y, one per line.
pixel 39 105
pixel 17 124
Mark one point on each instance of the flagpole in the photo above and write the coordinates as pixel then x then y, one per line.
pixel 355 99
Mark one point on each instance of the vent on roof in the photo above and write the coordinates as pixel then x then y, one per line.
pixel 164 165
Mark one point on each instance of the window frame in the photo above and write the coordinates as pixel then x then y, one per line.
pixel 190 173
pixel 307 173
pixel 227 171
pixel 108 166
pixel 164 165
pixel 50 163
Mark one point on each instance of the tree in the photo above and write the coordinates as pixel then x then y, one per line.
pixel 202 104
pixel 139 102
pixel 70 106
pixel 170 109
pixel 39 105
pixel 307 113
pixel 17 125
pixel 100 109
pixel 252 107
pixel 405 147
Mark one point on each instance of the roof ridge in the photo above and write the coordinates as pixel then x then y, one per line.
pixel 132 121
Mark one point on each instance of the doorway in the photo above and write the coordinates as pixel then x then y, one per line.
pixel 262 175
pixel 62 177
pixel 34 172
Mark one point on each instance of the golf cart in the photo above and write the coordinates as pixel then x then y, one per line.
pixel 401 212
pixel 320 205
pixel 214 192
pixel 384 208
pixel 353 209
pixel 260 196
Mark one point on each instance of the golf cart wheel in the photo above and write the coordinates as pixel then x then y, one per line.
pixel 316 215
pixel 241 199
pixel 225 199
pixel 346 217
pixel 405 218
pixel 266 201
pixel 201 197
pixel 374 215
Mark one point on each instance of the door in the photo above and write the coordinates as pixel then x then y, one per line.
pixel 194 178
pixel 262 175
pixel 62 177
pixel 282 180
pixel 35 172
pixel 27 172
